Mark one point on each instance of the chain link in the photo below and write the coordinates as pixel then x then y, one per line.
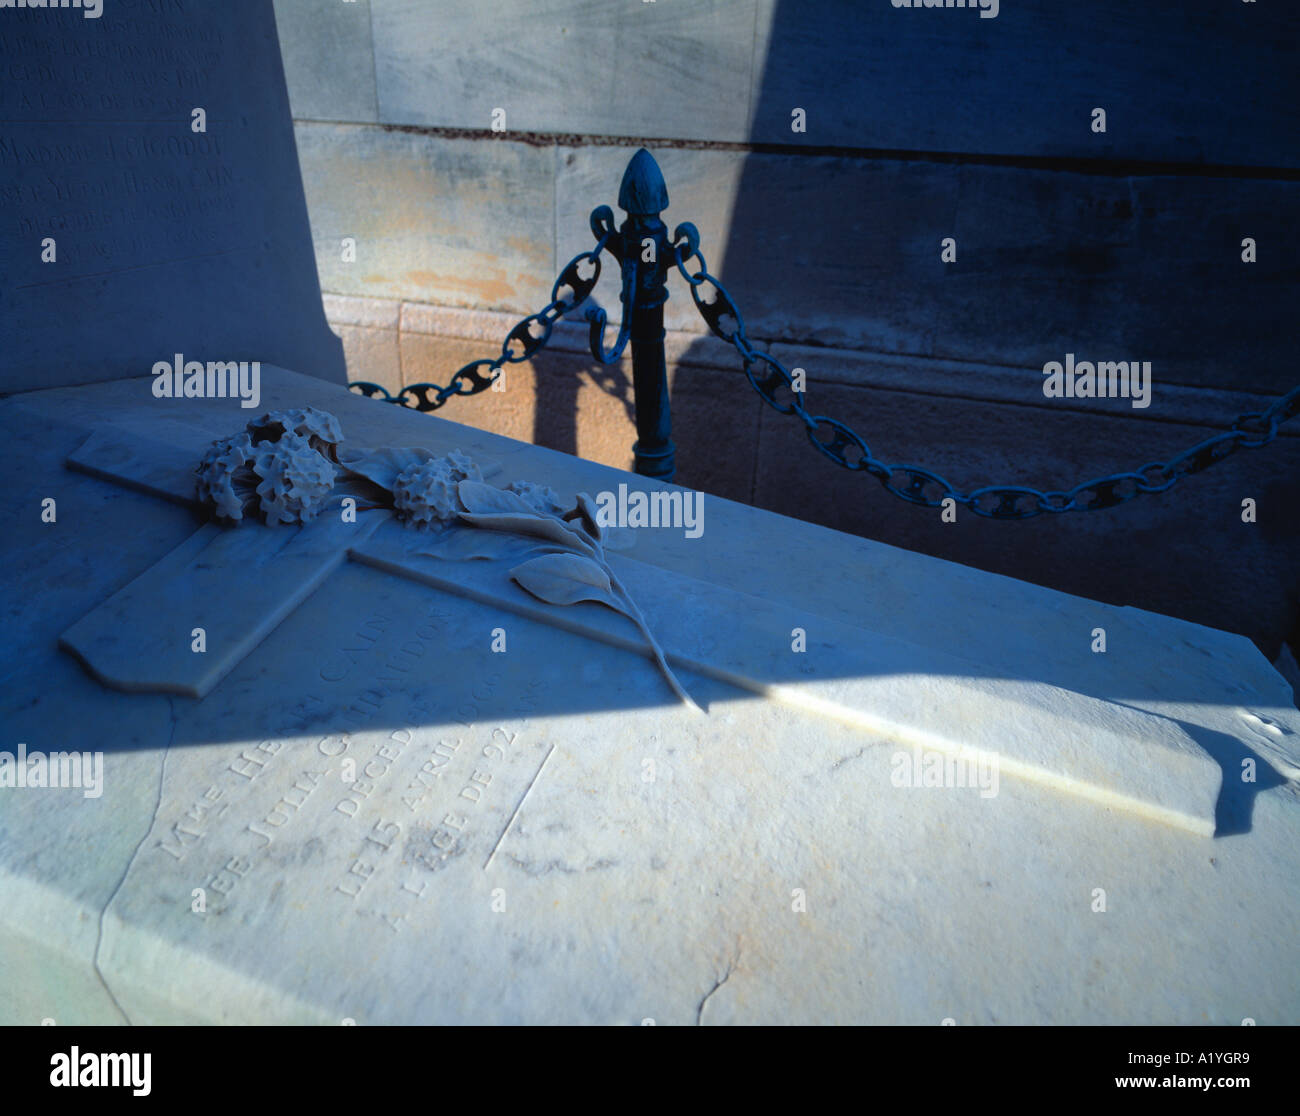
pixel 841 444
pixel 479 375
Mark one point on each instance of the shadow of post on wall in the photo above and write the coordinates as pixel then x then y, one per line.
pixel 1123 244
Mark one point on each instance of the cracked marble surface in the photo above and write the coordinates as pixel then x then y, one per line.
pixel 385 821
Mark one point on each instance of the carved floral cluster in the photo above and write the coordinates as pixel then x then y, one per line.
pixel 279 469
pixel 537 496
pixel 320 428
pixel 284 465
pixel 424 495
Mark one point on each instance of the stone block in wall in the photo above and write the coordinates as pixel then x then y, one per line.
pixel 840 252
pixel 847 253
pixel 432 219
pixel 616 69
pixel 368 328
pixel 1025 82
pixel 874 77
pixel 329 61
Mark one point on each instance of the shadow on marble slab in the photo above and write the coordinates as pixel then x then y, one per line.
pixel 1245 775
pixel 361 624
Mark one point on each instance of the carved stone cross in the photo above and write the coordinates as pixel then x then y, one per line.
pixel 238 584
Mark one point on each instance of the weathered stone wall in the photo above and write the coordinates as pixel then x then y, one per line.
pixel 920 125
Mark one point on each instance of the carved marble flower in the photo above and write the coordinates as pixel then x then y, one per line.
pixel 320 428
pixel 280 469
pixel 217 473
pixel 537 496
pixel 295 478
pixel 425 494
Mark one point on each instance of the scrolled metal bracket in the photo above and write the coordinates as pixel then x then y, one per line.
pixel 605 231
pixel 598 319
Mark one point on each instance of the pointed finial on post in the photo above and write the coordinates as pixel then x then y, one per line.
pixel 643 192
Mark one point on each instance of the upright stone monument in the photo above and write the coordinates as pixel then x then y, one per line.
pixel 152 199
pixel 360 768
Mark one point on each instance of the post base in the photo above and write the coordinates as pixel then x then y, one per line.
pixel 659 463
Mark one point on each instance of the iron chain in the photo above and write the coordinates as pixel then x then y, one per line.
pixel 479 375
pixel 833 439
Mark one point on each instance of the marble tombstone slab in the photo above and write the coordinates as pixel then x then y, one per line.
pixel 398 789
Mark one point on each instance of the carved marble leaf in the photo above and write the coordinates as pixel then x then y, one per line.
pixel 537 526
pixel 486 499
pixel 382 466
pixel 565 579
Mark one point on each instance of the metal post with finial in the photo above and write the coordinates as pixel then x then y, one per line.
pixel 641 245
